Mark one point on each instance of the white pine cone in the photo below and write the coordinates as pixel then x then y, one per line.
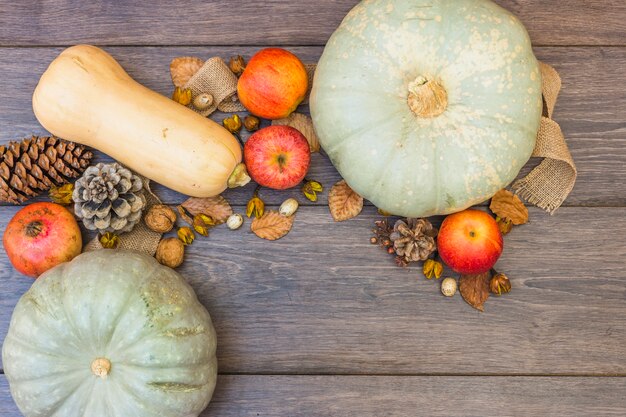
pixel 109 198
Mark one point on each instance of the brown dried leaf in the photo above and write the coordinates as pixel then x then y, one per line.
pixel 272 226
pixel 217 207
pixel 183 68
pixel 475 289
pixel 507 205
pixel 304 124
pixel 184 214
pixel 344 203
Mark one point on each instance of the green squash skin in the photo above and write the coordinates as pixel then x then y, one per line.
pixel 123 306
pixel 419 167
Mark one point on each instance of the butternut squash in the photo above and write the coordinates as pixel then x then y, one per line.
pixel 87 97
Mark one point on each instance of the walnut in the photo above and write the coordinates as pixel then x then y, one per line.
pixel 170 252
pixel 160 218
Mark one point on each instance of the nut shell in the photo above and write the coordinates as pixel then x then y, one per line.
pixel 234 221
pixel 289 207
pixel 203 101
pixel 160 218
pixel 170 252
pixel 448 287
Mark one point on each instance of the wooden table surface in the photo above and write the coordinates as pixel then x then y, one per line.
pixel 321 323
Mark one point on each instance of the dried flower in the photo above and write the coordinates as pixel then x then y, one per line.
pixel 255 206
pixel 373 240
pixel 160 218
pixel 186 235
pixel 203 101
pixel 62 194
pixel 182 96
pixel 232 123
pixel 237 64
pixel 251 123
pixel 432 268
pixel 109 240
pixel 288 207
pixel 311 188
pixel 201 224
pixel 170 252
pixel 499 284
pixel 504 225
pixel 235 221
pixel 448 287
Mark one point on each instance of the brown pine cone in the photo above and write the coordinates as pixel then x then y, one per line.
pixel 414 239
pixel 34 165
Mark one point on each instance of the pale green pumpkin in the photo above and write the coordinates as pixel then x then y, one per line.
pixel 427 106
pixel 110 334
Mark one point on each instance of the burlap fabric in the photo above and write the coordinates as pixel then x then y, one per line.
pixel 140 239
pixel 546 186
pixel 549 184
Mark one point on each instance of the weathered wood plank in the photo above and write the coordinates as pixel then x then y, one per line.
pixel 300 22
pixel 324 300
pixel 591 111
pixel 351 396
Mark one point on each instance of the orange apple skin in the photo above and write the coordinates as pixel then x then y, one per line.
pixel 277 157
pixel 273 84
pixel 470 242
pixel 41 236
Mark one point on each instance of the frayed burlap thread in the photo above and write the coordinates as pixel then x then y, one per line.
pixel 548 184
pixel 141 238
pixel 217 79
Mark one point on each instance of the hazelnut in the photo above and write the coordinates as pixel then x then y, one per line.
pixel 203 101
pixel 170 252
pixel 160 218
pixel 448 287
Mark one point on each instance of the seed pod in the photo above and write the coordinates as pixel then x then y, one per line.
pixel 186 235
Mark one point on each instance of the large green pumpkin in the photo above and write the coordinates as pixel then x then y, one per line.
pixel 110 334
pixel 427 106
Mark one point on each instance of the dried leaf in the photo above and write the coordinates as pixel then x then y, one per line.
pixel 344 203
pixel 507 205
pixel 475 289
pixel 304 124
pixel 272 225
pixel 215 207
pixel 183 68
pixel 184 214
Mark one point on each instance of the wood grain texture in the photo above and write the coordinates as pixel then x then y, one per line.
pixel 323 300
pixel 591 111
pixel 297 22
pixel 357 396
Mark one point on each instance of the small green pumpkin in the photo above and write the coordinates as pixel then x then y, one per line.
pixel 110 334
pixel 427 107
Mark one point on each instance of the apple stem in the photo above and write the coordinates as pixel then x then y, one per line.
pixel 33 229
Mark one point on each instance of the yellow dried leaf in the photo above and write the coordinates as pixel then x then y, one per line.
pixel 507 205
pixel 475 289
pixel 201 224
pixel 304 124
pixel 343 202
pixel 215 207
pixel 183 68
pixel 272 225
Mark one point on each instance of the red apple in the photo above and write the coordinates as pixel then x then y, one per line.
pixel 41 236
pixel 470 242
pixel 277 157
pixel 273 83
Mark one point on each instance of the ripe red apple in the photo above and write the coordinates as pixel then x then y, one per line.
pixel 40 236
pixel 273 83
pixel 277 157
pixel 470 242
